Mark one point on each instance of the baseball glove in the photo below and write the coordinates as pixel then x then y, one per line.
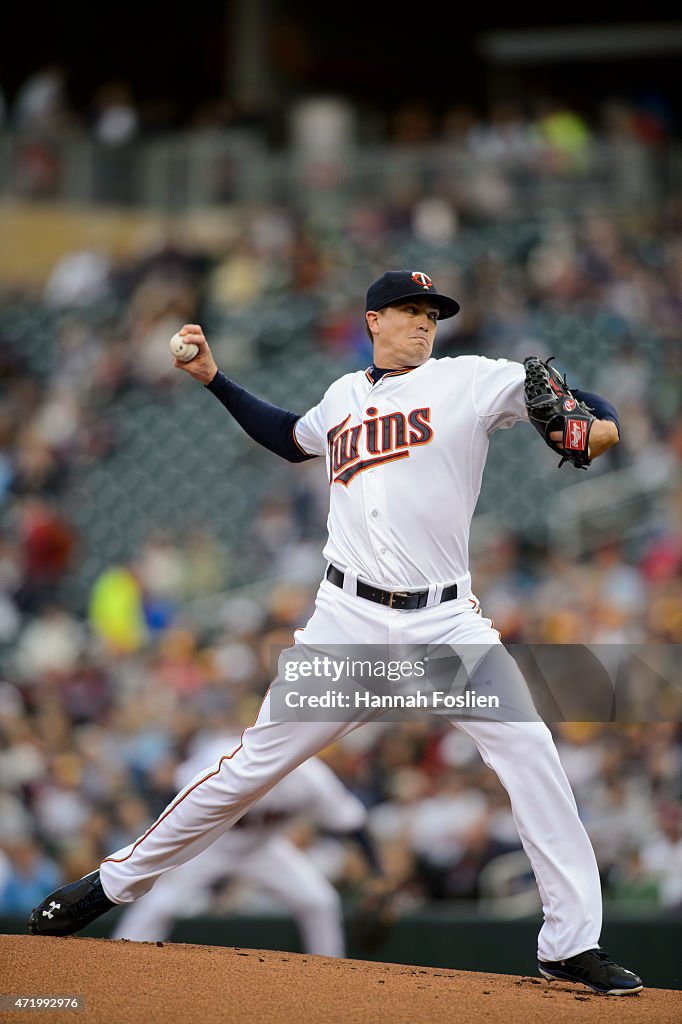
pixel 552 407
pixel 373 918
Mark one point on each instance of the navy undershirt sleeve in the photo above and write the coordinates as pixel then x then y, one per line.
pixel 601 407
pixel 267 424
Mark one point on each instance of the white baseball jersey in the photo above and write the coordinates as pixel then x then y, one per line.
pixel 405 459
pixel 312 790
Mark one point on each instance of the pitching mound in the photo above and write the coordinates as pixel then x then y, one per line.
pixel 173 983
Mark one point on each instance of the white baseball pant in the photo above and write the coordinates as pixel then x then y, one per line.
pixel 270 863
pixel 521 752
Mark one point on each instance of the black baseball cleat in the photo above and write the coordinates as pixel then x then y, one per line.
pixel 593 968
pixel 70 908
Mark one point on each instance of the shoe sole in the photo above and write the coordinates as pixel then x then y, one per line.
pixel 35 929
pixel 597 991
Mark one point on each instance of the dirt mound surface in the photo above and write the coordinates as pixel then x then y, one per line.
pixel 173 983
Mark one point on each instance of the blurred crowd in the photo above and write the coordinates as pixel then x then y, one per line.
pixel 546 135
pixel 44 104
pixel 100 701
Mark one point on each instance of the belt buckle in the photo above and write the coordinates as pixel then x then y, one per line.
pixel 396 593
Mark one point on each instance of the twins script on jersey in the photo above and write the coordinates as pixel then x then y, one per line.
pixel 394 448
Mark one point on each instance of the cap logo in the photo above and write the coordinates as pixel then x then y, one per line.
pixel 423 279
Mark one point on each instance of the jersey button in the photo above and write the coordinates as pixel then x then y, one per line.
pixel 375 513
pixel 383 551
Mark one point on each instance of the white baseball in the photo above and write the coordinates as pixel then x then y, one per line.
pixel 181 349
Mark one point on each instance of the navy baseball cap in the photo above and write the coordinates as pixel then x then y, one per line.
pixel 400 285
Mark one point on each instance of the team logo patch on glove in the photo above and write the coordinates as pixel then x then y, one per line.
pixel 553 408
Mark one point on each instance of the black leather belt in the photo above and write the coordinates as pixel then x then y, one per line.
pixel 403 599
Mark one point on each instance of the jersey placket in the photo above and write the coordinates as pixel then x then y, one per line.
pixel 376 519
pixel 375 506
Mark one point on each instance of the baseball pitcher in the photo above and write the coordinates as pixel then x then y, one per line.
pixel 404 445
